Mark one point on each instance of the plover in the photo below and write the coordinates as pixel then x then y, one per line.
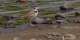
pixel 31 15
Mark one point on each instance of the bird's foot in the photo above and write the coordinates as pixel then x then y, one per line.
pixel 34 26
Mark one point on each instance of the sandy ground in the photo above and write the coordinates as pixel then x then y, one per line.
pixel 34 32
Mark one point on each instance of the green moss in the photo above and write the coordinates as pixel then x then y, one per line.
pixel 71 16
pixel 51 12
pixel 2 19
pixel 21 13
pixel 47 12
pixel 13 8
pixel 0 14
pixel 1 7
pixel 51 17
pixel 26 20
pixel 1 26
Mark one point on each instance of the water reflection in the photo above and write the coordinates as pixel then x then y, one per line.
pixel 43 5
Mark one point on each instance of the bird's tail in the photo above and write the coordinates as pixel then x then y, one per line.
pixel 25 16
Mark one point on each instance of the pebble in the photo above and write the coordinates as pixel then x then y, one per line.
pixel 45 35
pixel 16 38
pixel 78 35
pixel 33 39
pixel 54 34
pixel 50 33
pixel 54 26
pixel 49 37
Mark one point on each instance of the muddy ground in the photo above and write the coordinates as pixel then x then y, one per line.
pixel 35 32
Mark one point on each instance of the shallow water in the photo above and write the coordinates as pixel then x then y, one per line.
pixel 27 7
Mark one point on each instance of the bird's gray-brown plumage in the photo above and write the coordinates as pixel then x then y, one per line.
pixel 30 14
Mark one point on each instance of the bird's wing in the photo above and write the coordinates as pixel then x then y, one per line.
pixel 31 13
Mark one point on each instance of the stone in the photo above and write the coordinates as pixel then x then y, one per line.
pixel 53 22
pixel 69 37
pixel 33 39
pixel 60 21
pixel 1 23
pixel 14 15
pixel 78 35
pixel 54 34
pixel 7 17
pixel 54 26
pixel 16 38
pixel 77 13
pixel 50 33
pixel 58 34
pixel 38 20
pixel 78 21
pixel 58 39
pixel 66 6
pixel 40 28
pixel 49 37
pixel 45 35
pixel 47 20
pixel 59 16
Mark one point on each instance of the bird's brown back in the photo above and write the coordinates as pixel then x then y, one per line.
pixel 29 14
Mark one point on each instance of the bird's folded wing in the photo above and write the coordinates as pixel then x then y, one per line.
pixel 31 13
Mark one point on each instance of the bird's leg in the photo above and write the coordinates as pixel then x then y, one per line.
pixel 31 23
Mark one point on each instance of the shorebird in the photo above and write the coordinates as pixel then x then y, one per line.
pixel 22 1
pixel 32 14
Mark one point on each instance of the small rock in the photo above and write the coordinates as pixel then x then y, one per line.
pixel 0 28
pixel 50 33
pixel 33 39
pixel 69 37
pixel 40 27
pixel 77 13
pixel 16 38
pixel 78 35
pixel 45 35
pixel 49 37
pixel 55 26
pixel 56 34
pixel 53 34
pixel 59 39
